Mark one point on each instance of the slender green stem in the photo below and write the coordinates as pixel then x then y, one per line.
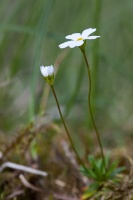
pixel 68 134
pixel 90 109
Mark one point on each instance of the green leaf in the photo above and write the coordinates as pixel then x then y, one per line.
pixel 117 171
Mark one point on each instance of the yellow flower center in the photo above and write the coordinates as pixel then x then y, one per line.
pixel 79 39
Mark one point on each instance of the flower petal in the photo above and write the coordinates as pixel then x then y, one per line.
pixel 73 44
pixel 44 71
pixel 74 36
pixel 76 43
pixel 65 44
pixel 88 31
pixel 79 43
pixel 92 37
pixel 50 70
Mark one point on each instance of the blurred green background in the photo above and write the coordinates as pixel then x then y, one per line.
pixel 30 32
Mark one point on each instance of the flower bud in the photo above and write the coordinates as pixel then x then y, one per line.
pixel 48 74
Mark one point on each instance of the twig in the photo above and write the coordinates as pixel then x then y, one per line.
pixel 27 184
pixel 15 194
pixel 22 168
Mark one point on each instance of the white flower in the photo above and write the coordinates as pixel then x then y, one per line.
pixel 77 39
pixel 48 73
pixel 47 70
